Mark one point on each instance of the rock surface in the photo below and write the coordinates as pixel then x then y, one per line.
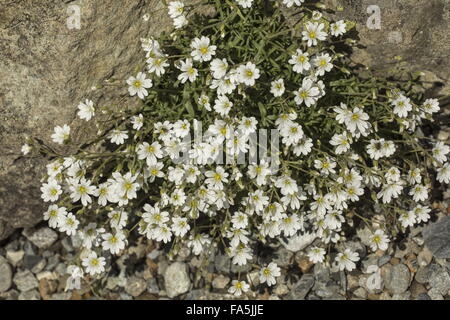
pixel 176 279
pixel 397 278
pixel 46 69
pixel 417 31
pixel 437 238
pixel 5 275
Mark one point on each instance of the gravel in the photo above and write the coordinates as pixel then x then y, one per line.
pixel 397 278
pixel 5 275
pixel 176 279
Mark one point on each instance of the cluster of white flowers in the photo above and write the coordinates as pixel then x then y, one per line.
pixel 310 190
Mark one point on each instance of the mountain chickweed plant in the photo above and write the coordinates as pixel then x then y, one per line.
pixel 297 147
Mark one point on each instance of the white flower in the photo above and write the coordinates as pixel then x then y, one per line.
pixel 402 106
pixel 105 194
pixel 407 218
pixel 157 65
pixel 61 135
pixel 240 255
pixel 238 287
pixel 197 242
pixel 245 3
pixel 338 28
pixel 341 142
pixel 308 93
pixel 356 121
pixel 414 176
pixel 118 136
pixel 55 215
pixel 326 166
pixel 431 106
pixel 277 88
pixel 25 149
pixel 287 185
pixel 176 8
pixel 180 21
pixel 440 152
pixel 180 226
pixel 313 33
pixel 269 273
pixel 137 121
pixel 51 191
pixel 93 264
pixel 125 185
pixel 300 61
pixel 290 225
pixel 139 85
pixel 443 174
pixel 188 71
pixel 258 200
pixel 203 51
pixel 181 128
pixel 379 241
pixel 69 224
pixel 113 242
pixel 153 215
pixel 259 172
pixel 316 254
pixel 239 220
pixel 419 193
pixel 150 152
pixel 86 110
pixel 219 68
pixel 322 64
pixel 178 197
pixel 248 74
pixel 82 191
pixel 346 260
pixel 118 218
pixel 203 101
pixel 215 179
pixel 390 191
pixel 222 105
pixel 74 280
pixel 303 147
pixel 290 3
pixel 421 213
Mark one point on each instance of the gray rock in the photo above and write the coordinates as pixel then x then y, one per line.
pixel 424 274
pixel 152 286
pixel 440 280
pixel 29 261
pixel 62 296
pixel 422 46
pixel 39 266
pixel 301 288
pixel 176 279
pixel 360 293
pixel 383 260
pixel 435 294
pixel 423 296
pixel 402 296
pixel 283 257
pixel 220 282
pixel 42 238
pixel 397 278
pixel 321 273
pixel 135 286
pixel 40 67
pixel 25 281
pixel 30 295
pixel 10 295
pixel 436 236
pixel 15 257
pixel 5 275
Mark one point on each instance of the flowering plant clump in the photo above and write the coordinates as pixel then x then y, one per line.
pixel 295 145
